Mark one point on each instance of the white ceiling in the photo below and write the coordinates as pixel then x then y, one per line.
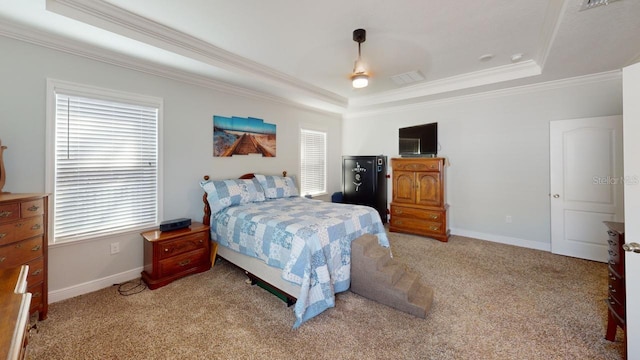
pixel 303 51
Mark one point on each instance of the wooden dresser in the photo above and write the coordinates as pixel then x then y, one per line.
pixel 14 322
pixel 616 290
pixel 418 205
pixel 23 241
pixel 170 255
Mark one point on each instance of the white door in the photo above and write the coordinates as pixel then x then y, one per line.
pixel 631 98
pixel 586 187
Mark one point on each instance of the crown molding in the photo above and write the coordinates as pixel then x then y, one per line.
pixel 458 82
pixel 555 12
pixel 115 19
pixel 516 90
pixel 30 35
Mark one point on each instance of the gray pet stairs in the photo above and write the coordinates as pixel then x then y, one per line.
pixel 378 277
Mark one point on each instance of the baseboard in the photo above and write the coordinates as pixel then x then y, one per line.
pixel 503 239
pixel 93 285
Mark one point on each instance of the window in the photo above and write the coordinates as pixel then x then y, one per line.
pixel 313 162
pixel 103 161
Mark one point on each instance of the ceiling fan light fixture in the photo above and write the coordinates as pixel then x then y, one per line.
pixel 359 78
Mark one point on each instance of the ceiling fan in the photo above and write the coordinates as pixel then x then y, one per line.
pixel 359 77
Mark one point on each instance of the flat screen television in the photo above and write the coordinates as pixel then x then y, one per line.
pixel 420 140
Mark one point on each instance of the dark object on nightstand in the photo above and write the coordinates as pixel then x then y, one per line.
pixel 175 224
pixel 169 256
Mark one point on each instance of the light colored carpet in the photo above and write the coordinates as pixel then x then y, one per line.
pixel 491 301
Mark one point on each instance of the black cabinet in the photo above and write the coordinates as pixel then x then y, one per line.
pixel 364 182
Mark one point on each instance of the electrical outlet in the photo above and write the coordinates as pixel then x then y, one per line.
pixel 115 248
pixel 508 219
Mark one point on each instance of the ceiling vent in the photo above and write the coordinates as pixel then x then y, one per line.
pixel 408 78
pixel 590 4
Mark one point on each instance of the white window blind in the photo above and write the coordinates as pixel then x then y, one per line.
pixel 106 167
pixel 313 158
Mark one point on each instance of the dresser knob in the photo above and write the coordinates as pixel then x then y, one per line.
pixel 5 213
pixel 34 208
pixel 434 228
pixel 434 217
pixel 611 233
pixel 37 272
pixel 36 248
pixel 184 262
pixel 3 258
pixel 35 227
pixel 166 249
pixel 2 235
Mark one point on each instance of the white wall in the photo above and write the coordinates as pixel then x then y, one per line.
pixel 187 149
pixel 497 146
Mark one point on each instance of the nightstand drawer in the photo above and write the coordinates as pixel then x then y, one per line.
pixel 184 244
pixel 184 262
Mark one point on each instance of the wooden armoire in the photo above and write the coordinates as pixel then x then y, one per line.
pixel 418 205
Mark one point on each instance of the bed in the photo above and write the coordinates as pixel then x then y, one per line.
pixel 297 247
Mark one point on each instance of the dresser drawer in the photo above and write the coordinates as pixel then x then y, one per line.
pixel 22 229
pixel 407 212
pixel 183 262
pixel 19 253
pixel 9 212
pixel 616 308
pixel 614 238
pixel 412 165
pixel 616 287
pixel 31 208
pixel 36 271
pixel 421 226
pixel 184 244
pixel 36 291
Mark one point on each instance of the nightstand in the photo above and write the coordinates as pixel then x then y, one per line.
pixel 171 255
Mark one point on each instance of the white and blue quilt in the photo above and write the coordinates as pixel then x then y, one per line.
pixel 309 240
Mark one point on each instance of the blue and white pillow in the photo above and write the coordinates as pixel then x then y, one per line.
pixel 276 187
pixel 224 193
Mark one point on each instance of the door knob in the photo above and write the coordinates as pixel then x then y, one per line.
pixel 635 247
pixel 556 195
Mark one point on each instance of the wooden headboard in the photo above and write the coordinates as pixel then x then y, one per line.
pixel 207 209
